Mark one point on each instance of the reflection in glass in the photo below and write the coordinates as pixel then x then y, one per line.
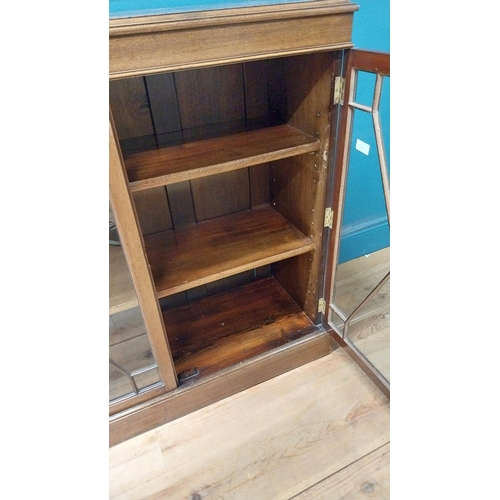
pixel 132 366
pixel 362 301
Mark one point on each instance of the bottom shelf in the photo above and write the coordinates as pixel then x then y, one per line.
pixel 229 327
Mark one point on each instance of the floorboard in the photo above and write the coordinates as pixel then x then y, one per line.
pixel 296 434
pixel 366 478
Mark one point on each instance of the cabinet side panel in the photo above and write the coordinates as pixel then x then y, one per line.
pixel 298 185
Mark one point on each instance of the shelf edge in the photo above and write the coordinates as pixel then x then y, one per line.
pixel 236 270
pixel 226 166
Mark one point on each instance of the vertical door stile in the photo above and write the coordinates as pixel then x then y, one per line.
pixel 342 126
pixel 133 248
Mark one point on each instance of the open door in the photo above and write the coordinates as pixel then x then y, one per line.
pixel 358 269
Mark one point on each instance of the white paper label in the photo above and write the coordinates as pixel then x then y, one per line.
pixel 362 147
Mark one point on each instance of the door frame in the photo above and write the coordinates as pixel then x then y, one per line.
pixel 343 111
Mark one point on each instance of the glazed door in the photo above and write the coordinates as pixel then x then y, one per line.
pixel 140 362
pixel 358 272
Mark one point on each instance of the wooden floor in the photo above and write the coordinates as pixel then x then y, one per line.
pixel 320 431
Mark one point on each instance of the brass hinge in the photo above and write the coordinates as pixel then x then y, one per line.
pixel 322 305
pixel 338 90
pixel 329 218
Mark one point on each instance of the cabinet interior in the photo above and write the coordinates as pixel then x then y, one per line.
pixel 227 168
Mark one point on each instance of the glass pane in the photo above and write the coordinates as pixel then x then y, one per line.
pixel 364 88
pixel 119 383
pixel 365 226
pixel 369 330
pixel 132 365
pixel 358 277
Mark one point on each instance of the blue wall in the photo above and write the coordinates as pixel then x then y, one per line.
pixel 128 8
pixel 365 228
pixel 371 28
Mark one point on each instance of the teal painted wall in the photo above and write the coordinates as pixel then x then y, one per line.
pixel 128 8
pixel 365 228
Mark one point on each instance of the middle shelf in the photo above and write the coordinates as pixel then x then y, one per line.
pixel 169 165
pixel 195 255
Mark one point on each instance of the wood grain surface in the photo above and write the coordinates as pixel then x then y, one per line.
pixel 137 46
pixel 226 328
pixel 364 479
pixel 221 247
pixel 270 442
pixel 211 156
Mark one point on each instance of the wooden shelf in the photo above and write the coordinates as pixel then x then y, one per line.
pixel 229 327
pixel 214 249
pixel 164 166
pixel 122 295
